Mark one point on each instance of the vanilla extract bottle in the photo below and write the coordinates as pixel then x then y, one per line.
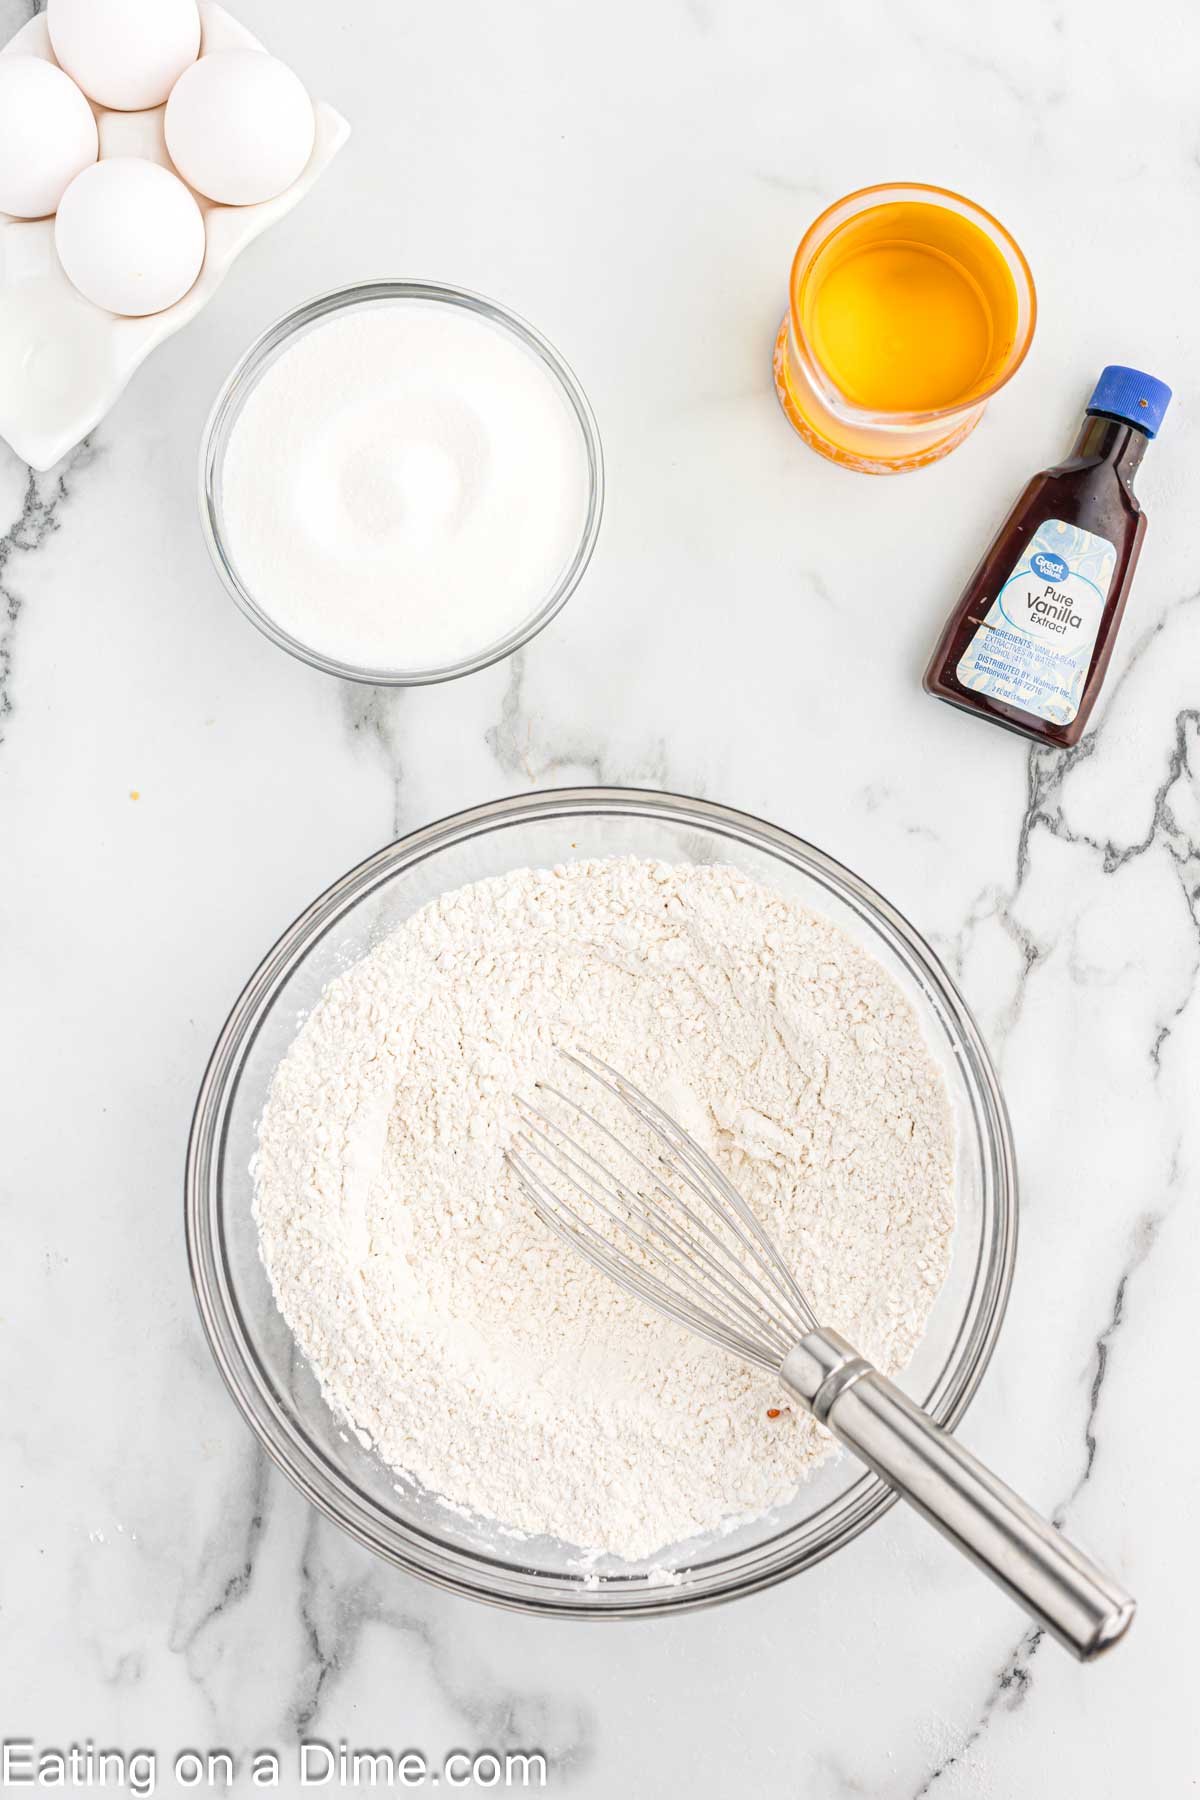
pixel 1029 642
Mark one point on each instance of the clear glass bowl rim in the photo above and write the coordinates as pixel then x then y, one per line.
pixel 239 383
pixel 860 200
pixel 421 1553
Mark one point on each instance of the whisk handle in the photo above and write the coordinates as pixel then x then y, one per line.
pixel 1085 1609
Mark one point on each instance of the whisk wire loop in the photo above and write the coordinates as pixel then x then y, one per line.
pixel 734 1310
pixel 693 1165
pixel 586 1240
pixel 757 1308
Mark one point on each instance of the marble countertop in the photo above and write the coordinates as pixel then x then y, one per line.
pixel 173 790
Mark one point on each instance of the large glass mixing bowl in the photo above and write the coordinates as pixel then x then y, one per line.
pixel 277 1391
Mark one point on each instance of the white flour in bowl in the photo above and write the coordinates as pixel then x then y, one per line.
pixel 467 1345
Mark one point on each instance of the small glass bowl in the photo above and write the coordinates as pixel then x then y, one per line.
pixel 250 370
pixel 277 1391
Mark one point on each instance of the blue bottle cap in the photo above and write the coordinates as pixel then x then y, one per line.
pixel 1128 394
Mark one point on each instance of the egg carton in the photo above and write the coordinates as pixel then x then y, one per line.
pixel 65 361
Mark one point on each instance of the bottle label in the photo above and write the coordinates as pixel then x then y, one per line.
pixel 1034 645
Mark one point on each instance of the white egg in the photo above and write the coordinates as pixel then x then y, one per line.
pixel 239 126
pixel 127 54
pixel 129 235
pixel 47 135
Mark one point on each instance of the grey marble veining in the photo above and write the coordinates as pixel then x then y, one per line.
pixel 173 791
pixel 40 503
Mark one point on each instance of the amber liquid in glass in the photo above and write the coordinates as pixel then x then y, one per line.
pixel 909 307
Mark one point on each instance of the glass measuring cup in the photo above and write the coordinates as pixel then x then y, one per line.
pixel 909 307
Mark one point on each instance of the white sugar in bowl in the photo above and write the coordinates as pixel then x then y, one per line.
pixel 47 135
pixel 130 236
pixel 239 126
pixel 125 54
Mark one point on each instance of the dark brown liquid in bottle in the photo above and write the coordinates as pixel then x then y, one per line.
pixel 1093 489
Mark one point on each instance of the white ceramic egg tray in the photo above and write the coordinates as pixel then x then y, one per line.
pixel 63 361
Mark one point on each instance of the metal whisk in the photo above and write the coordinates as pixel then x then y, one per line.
pixel 672 1229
